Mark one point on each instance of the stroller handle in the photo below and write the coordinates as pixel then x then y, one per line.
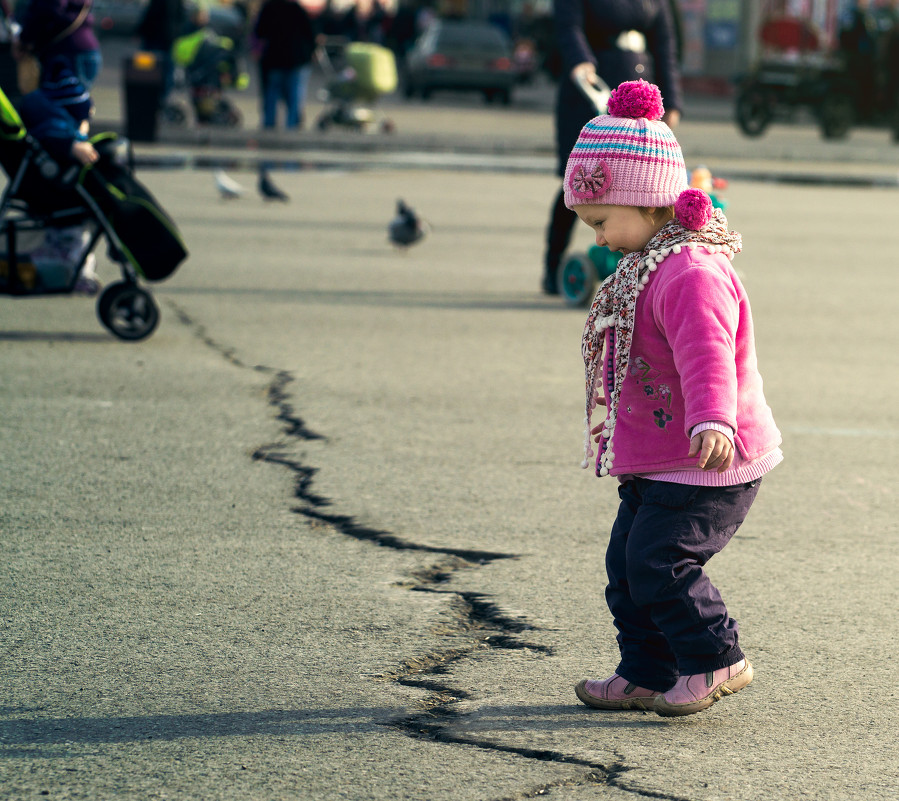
pixel 596 90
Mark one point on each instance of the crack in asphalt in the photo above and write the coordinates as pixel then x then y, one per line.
pixel 476 615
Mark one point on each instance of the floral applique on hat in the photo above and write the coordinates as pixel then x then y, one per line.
pixel 593 184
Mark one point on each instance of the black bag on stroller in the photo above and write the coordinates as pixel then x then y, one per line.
pixel 148 237
pixel 106 201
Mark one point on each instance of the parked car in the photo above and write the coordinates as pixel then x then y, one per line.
pixel 461 55
pixel 117 17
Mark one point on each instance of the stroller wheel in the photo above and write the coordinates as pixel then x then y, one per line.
pixel 128 311
pixel 174 114
pixel 754 111
pixel 837 115
pixel 226 115
pixel 324 121
pixel 577 280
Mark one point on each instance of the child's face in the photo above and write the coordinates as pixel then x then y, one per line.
pixel 622 228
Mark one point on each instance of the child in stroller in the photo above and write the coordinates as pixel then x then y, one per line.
pixel 357 74
pixel 50 190
pixel 58 116
pixel 208 64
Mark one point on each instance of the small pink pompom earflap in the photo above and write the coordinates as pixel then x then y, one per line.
pixel 693 209
pixel 635 99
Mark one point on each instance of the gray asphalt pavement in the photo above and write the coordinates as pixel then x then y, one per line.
pixel 324 534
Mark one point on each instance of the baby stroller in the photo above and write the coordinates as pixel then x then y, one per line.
pixel 208 65
pixel 106 201
pixel 798 69
pixel 357 74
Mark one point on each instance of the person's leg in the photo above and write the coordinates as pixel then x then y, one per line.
pixel 271 92
pixel 303 88
pixel 558 235
pixel 87 67
pixel 572 111
pixel 292 97
pixel 678 528
pixel 646 658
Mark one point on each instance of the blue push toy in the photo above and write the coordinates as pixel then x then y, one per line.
pixel 581 272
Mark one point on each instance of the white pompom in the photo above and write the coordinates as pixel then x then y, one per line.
pixel 604 471
pixel 585 464
pixel 676 248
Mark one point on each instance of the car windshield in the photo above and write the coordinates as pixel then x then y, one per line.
pixel 472 37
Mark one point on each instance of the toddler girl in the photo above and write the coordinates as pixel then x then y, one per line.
pixel 669 351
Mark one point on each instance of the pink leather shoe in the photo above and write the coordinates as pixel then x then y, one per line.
pixel 615 692
pixel 700 690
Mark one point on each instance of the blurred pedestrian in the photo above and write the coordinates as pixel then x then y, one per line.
pixel 858 45
pixel 54 29
pixel 163 22
pixel 669 353
pixel 284 40
pixel 619 40
pixel 401 33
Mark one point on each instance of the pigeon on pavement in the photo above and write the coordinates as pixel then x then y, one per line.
pixel 228 188
pixel 267 188
pixel 405 228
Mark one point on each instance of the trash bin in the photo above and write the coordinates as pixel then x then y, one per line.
pixel 143 81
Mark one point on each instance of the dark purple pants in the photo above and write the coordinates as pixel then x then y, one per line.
pixel 671 620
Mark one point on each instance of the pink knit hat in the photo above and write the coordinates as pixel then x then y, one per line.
pixel 628 157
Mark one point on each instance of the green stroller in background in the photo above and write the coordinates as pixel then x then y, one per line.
pixel 357 75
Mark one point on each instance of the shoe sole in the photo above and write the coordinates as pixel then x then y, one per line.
pixel 580 691
pixel 733 685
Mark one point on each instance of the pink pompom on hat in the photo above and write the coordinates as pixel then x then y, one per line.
pixel 628 157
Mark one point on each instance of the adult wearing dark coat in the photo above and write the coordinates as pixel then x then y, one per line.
pixel 54 29
pixel 286 38
pixel 595 38
pixel 163 22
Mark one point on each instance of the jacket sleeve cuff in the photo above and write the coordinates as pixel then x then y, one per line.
pixel 713 425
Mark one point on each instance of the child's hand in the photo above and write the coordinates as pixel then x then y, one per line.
pixel 714 449
pixel 84 152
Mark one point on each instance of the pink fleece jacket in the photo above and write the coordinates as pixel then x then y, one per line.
pixel 692 360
